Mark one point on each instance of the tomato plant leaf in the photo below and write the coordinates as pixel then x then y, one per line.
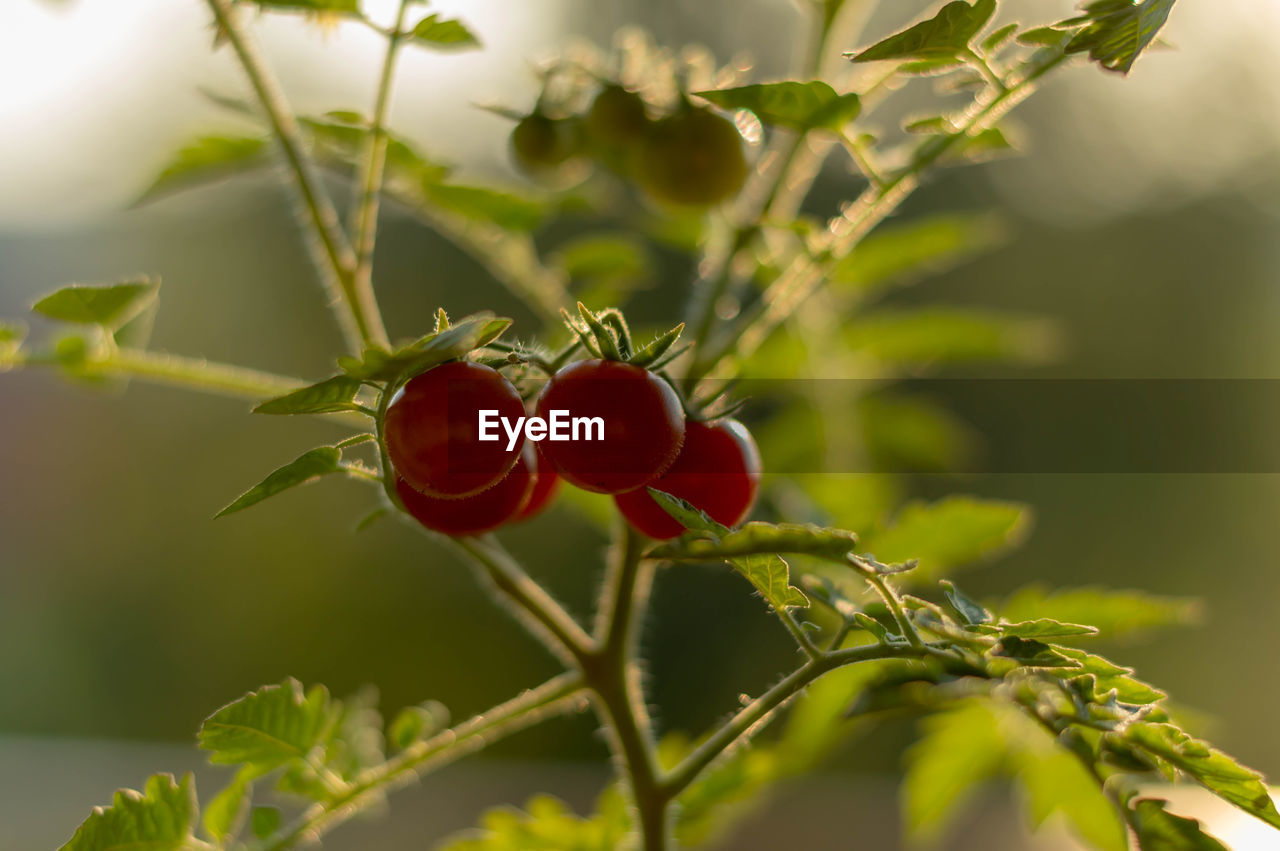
pixel 264 821
pixel 948 533
pixel 460 338
pixel 329 396
pixel 946 34
pixel 307 467
pixel 1109 676
pixel 762 538
pixel 1218 772
pixel 1114 612
pixel 225 813
pixel 998 38
pixel 968 611
pixel 109 306
pixel 207 158
pixel 443 34
pixel 547 824
pixel 268 727
pixel 1160 830
pixel 1116 32
pixel 1033 654
pixel 343 7
pixel 927 246
pixel 507 211
pixel 160 818
pixel 914 339
pixel 960 748
pixel 1039 628
pixel 794 105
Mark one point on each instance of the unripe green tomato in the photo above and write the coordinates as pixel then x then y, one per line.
pixel 540 143
pixel 617 117
pixel 692 158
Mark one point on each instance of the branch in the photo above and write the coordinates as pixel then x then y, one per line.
pixel 361 325
pixel 553 697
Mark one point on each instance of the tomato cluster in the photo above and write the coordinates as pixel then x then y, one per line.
pixel 689 157
pixel 453 482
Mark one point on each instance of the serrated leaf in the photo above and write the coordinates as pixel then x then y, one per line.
pixel 507 211
pixel 1118 31
pixel 225 813
pixel 109 306
pixel 959 748
pixel 949 533
pixel 1034 654
pixel 1212 768
pixel 205 159
pixel 1109 676
pixel 307 467
pixel 1116 613
pixel 331 395
pixel 970 612
pixel 1160 830
pixel 794 105
pixel 1040 628
pixel 160 818
pixel 762 538
pixel 1043 37
pixel 923 247
pixel 443 34
pixel 998 38
pixel 913 339
pixel 945 34
pixel 462 337
pixel 269 727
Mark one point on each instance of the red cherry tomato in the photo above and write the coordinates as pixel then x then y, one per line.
pixel 433 433
pixel 545 485
pixel 643 425
pixel 718 471
pixel 474 515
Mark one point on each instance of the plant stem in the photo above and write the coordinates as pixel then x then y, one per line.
pixel 752 717
pixel 892 600
pixel 334 259
pixel 553 697
pixel 364 226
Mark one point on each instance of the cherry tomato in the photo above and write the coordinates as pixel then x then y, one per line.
pixel 693 157
pixel 643 425
pixel 432 430
pixel 545 485
pixel 540 143
pixel 717 471
pixel 617 116
pixel 474 515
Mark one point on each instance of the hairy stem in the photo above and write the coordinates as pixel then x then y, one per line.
pixel 364 226
pixel 360 322
pixel 554 697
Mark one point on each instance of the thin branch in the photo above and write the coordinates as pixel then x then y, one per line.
pixel 331 252
pixel 554 697
pixel 364 226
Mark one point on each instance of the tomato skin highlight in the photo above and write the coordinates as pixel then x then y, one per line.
pixel 545 486
pixel 643 425
pixel 432 430
pixel 718 471
pixel 693 158
pixel 474 515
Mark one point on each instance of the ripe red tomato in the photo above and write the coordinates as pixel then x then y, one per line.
pixel 718 471
pixel 545 485
pixel 474 515
pixel 693 157
pixel 643 425
pixel 432 430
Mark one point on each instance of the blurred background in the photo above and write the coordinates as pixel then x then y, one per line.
pixel 1143 221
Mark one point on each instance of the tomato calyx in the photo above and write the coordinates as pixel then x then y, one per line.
pixel 605 336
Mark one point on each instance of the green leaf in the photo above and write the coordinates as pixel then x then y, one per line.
pixel 109 306
pixel 307 467
pixel 1114 613
pixel 796 106
pixel 959 748
pixel 761 538
pixel 998 38
pixel 603 256
pixel 331 395
pixel 1043 37
pixel 1116 32
pixel 988 144
pixel 1109 676
pixel 225 814
pixel 651 353
pixel 461 338
pixel 507 211
pixel 968 611
pixel 269 727
pixel 205 159
pixel 12 335
pixel 1212 768
pixel 1040 628
pixel 920 248
pixel 710 803
pixel 1160 830
pixel 946 34
pixel 416 722
pixel 949 533
pixel 160 818
pixel 1034 654
pixel 547 824
pixel 928 336
pixel 264 821
pixel 345 7
pixel 443 34
pixel 768 572
pixel 913 434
